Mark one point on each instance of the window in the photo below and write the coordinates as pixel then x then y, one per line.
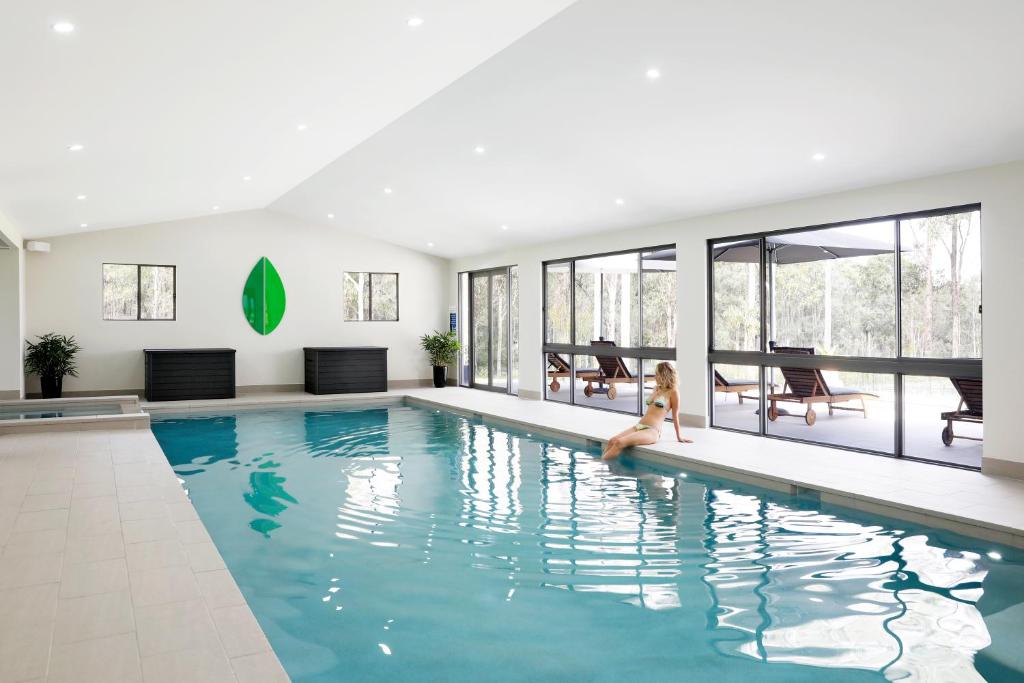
pixel 138 292
pixel 606 318
pixel 371 296
pixel 872 334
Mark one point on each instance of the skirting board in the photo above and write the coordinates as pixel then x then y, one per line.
pixel 241 391
pixel 10 395
pixel 1002 468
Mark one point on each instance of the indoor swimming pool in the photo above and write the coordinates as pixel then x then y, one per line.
pixel 399 542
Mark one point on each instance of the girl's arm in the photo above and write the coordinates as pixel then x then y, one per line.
pixel 675 416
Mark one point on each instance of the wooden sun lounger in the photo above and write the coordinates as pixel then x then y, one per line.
pixel 723 385
pixel 558 368
pixel 808 386
pixel 612 371
pixel 969 410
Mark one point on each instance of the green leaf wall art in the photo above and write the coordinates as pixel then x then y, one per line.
pixel 263 297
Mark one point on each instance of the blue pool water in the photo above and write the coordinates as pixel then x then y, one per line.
pixel 399 543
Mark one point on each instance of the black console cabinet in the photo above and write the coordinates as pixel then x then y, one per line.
pixel 189 374
pixel 346 369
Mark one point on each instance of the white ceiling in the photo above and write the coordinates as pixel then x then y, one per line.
pixel 176 102
pixel 748 93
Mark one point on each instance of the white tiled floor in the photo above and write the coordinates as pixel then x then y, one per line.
pixel 106 574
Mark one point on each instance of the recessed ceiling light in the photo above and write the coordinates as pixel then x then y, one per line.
pixel 653 74
pixel 430 244
pixel 83 225
pixel 330 215
pixel 620 201
pixel 247 178
pixel 818 156
pixel 387 190
pixel 63 27
pixel 994 555
pixel 413 22
pixel 216 207
pixel 81 197
pixel 479 149
pixel 76 147
pixel 301 127
pixel 504 227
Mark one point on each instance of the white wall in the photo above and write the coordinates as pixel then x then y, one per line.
pixel 214 255
pixel 11 311
pixel 999 189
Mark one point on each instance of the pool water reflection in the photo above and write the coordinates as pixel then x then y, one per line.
pixel 401 543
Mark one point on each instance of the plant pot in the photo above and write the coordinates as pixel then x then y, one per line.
pixel 51 386
pixel 440 376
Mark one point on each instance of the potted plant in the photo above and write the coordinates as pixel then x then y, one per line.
pixel 442 348
pixel 52 357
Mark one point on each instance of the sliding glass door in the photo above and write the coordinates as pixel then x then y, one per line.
pixel 492 347
pixel 863 335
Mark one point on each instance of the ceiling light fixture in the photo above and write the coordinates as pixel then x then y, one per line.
pixel 76 147
pixel 216 207
pixel 479 149
pixel 330 215
pixel 818 156
pixel 247 178
pixel 301 127
pixel 620 201
pixel 414 22
pixel 504 227
pixel 83 225
pixel 653 74
pixel 387 190
pixel 430 244
pixel 81 197
pixel 63 27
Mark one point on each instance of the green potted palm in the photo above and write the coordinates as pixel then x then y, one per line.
pixel 52 357
pixel 442 347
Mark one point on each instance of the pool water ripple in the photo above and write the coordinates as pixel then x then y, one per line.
pixel 399 543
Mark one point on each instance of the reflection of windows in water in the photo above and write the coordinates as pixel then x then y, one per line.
pixel 804 587
pixel 490 474
pixel 619 538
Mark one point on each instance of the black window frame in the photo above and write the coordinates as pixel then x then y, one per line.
pixel 897 366
pixel 138 293
pixel 572 350
pixel 371 319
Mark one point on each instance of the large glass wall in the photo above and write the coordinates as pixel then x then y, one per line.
pixel 606 318
pixel 872 334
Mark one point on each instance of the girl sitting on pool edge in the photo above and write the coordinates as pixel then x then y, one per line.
pixel 665 399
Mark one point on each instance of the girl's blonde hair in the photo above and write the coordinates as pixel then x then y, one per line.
pixel 665 376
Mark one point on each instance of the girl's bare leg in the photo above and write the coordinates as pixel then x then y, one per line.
pixel 630 437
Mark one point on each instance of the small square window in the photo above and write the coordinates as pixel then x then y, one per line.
pixel 138 292
pixel 371 296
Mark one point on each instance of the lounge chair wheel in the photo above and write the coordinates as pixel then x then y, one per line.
pixel 555 386
pixel 947 436
pixel 811 417
pixel 588 391
pixel 612 393
pixel 773 413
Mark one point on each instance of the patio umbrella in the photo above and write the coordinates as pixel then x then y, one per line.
pixel 803 247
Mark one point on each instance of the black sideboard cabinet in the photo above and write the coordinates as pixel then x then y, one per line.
pixel 189 374
pixel 346 369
